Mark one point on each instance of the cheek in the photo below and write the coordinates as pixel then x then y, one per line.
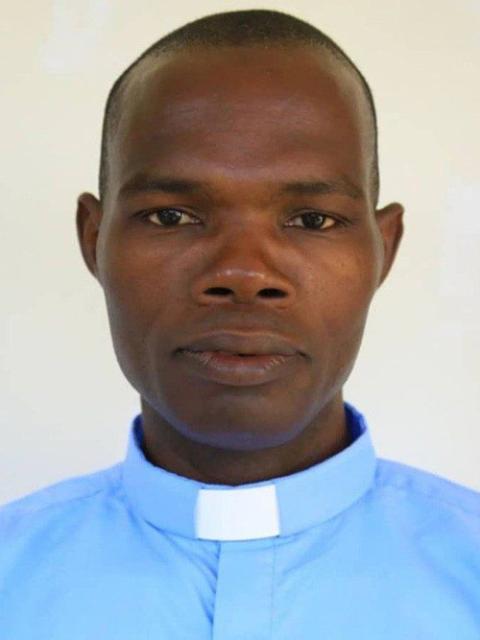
pixel 344 290
pixel 136 286
pixel 137 278
pixel 343 301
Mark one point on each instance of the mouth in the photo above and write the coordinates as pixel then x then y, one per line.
pixel 227 353
pixel 242 345
pixel 236 368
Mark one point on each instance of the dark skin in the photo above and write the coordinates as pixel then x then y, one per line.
pixel 241 122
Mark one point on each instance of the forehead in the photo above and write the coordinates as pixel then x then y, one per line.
pixel 242 109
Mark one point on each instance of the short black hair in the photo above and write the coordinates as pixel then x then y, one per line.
pixel 233 28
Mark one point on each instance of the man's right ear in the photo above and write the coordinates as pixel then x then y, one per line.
pixel 89 216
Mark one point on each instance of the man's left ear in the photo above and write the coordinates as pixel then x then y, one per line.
pixel 390 224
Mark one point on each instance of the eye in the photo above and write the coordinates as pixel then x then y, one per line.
pixel 168 217
pixel 315 220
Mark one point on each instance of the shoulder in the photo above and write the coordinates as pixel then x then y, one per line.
pixel 427 493
pixel 60 497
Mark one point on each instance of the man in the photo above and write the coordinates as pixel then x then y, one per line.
pixel 238 242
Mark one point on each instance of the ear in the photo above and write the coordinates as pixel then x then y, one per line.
pixel 89 216
pixel 390 224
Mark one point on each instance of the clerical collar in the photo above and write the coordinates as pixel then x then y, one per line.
pixel 277 507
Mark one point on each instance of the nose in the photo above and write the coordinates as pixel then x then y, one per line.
pixel 242 286
pixel 245 273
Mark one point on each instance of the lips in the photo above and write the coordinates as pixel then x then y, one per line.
pixel 229 370
pixel 243 344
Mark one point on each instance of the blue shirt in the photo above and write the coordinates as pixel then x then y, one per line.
pixel 353 548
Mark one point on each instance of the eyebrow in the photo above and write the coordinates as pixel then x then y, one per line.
pixel 143 183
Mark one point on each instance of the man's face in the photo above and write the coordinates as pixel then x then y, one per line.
pixel 239 252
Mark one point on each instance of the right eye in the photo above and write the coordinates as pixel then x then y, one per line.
pixel 167 217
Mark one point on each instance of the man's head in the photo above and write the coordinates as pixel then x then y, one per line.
pixel 238 191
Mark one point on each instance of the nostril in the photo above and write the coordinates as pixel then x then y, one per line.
pixel 219 290
pixel 272 293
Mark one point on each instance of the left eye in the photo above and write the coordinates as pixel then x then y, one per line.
pixel 315 221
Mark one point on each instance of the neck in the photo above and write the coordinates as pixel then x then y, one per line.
pixel 165 447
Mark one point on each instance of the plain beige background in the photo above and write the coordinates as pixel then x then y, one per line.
pixel 66 407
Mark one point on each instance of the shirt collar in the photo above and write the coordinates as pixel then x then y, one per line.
pixel 277 507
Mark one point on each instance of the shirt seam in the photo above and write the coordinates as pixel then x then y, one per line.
pixel 272 592
pixel 385 483
pixel 31 510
